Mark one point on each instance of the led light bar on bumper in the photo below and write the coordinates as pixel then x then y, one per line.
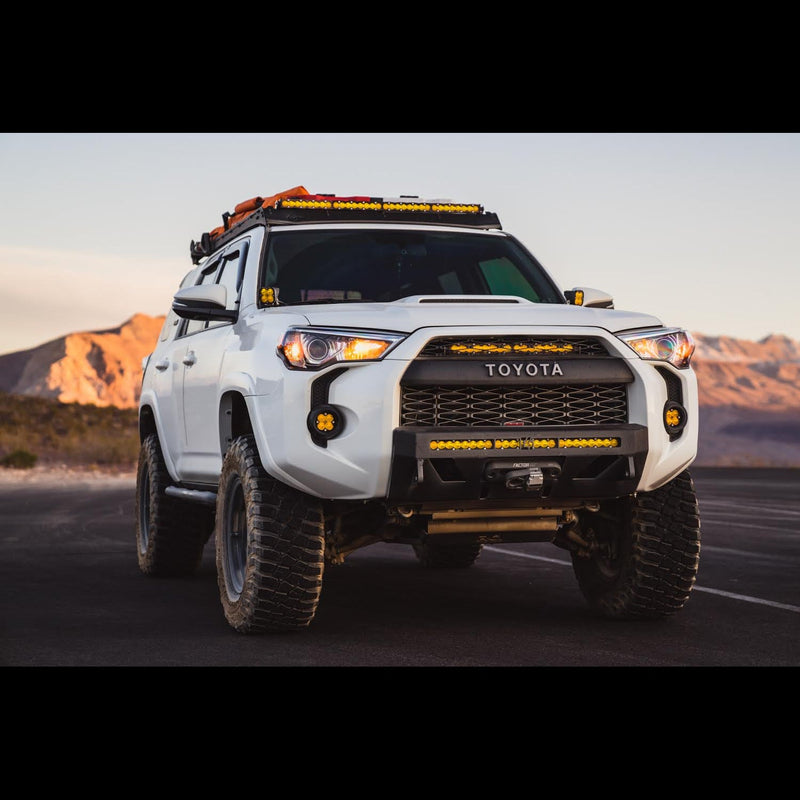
pixel 315 348
pixel 666 344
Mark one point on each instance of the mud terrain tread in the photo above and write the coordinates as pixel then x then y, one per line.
pixel 178 530
pixel 285 556
pixel 661 567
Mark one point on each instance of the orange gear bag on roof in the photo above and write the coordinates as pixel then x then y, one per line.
pixel 242 210
pixel 247 207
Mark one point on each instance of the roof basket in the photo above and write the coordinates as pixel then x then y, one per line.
pixel 297 205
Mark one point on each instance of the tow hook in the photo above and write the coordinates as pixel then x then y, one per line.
pixel 526 476
pixel 530 479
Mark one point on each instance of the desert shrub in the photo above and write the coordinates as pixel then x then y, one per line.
pixel 19 459
pixel 69 433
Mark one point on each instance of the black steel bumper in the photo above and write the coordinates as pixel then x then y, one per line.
pixel 511 465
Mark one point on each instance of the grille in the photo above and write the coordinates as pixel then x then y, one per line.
pixel 480 406
pixel 488 346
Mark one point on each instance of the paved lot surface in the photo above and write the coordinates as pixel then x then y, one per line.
pixel 72 595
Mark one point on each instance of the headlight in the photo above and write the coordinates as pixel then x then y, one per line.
pixel 667 344
pixel 314 348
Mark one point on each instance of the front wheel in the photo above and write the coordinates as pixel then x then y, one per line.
pixel 269 546
pixel 645 552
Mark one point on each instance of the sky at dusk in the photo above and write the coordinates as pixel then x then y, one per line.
pixel 699 229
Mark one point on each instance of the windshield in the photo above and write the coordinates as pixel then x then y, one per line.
pixel 383 265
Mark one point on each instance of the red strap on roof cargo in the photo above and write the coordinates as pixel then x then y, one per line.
pixel 332 198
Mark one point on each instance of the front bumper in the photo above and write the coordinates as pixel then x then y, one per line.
pixel 436 465
pixel 375 457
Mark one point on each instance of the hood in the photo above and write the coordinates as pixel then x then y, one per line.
pixel 412 313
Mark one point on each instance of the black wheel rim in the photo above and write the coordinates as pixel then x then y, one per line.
pixel 144 512
pixel 235 539
pixel 607 562
pixel 607 557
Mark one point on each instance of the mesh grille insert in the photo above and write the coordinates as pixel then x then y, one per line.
pixel 480 406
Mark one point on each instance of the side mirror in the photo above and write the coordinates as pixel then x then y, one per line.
pixel 203 302
pixel 589 298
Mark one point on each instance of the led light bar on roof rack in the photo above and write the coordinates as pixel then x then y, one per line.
pixel 377 204
pixel 297 205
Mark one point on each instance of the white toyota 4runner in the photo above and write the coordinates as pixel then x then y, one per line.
pixel 340 371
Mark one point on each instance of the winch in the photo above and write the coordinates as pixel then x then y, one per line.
pixel 534 477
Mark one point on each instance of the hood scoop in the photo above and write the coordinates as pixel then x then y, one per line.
pixel 483 299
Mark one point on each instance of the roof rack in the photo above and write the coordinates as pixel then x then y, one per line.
pixel 297 205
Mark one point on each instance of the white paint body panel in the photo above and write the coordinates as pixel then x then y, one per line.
pixel 242 357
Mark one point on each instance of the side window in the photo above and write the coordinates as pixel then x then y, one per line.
pixel 227 271
pixel 172 320
pixel 208 275
pixel 229 276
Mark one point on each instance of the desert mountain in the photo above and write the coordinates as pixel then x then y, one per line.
pixel 749 401
pixel 103 368
pixel 736 372
pixel 749 390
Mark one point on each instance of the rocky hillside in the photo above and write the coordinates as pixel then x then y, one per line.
pixel 749 391
pixel 102 368
pixel 749 401
pixel 740 373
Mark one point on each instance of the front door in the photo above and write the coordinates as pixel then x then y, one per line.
pixel 206 345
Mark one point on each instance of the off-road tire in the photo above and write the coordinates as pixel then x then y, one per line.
pixel 269 546
pixel 443 555
pixel 170 532
pixel 649 555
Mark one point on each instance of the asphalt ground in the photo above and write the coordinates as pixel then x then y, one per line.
pixel 72 594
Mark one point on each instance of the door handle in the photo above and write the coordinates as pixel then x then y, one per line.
pixel 162 365
pixel 189 358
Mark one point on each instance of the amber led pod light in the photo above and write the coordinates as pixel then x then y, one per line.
pixel 324 422
pixel 675 418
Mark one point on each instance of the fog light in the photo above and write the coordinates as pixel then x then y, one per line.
pixel 674 418
pixel 325 422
